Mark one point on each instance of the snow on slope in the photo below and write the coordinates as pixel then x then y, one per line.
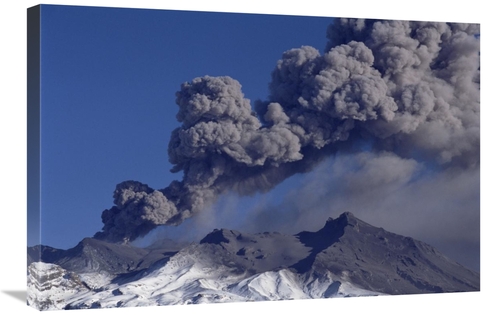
pixel 187 278
pixel 50 286
pixel 286 285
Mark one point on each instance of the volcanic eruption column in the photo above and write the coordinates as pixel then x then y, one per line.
pixel 397 84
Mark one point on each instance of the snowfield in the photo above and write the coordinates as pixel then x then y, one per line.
pixel 187 281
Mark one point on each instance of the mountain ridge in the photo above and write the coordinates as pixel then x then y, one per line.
pixel 346 257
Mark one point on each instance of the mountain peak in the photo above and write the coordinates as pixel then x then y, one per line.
pixel 343 220
pixel 345 215
pixel 218 236
pixel 348 215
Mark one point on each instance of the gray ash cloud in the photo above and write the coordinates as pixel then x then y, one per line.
pixel 408 88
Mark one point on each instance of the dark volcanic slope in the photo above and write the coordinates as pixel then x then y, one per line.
pixel 43 253
pixel 92 255
pixel 254 252
pixel 362 254
pixel 381 261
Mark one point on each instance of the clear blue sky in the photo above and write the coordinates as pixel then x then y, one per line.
pixel 109 78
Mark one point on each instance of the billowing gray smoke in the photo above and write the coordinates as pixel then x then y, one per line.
pixel 411 88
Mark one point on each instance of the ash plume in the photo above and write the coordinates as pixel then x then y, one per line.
pixel 410 88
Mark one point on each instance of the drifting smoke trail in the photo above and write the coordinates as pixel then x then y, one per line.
pixel 411 88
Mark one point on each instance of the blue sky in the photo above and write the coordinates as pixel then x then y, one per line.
pixel 109 78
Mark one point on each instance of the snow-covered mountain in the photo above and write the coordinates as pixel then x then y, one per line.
pixel 347 257
pixel 49 286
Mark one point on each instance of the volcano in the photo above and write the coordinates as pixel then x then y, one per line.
pixel 346 257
